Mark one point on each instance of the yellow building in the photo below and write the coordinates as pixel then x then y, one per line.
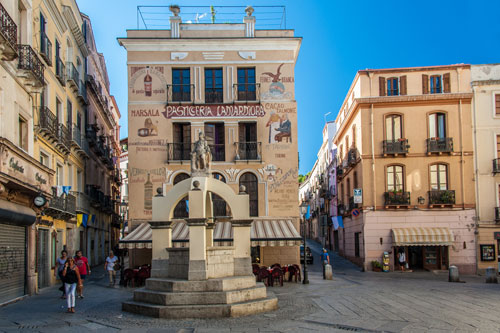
pixel 486 121
pixel 234 83
pixel 405 168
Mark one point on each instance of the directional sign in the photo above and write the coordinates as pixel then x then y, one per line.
pixel 355 212
pixel 358 195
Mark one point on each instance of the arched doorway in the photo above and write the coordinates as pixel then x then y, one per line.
pixel 220 208
pixel 249 180
pixel 181 209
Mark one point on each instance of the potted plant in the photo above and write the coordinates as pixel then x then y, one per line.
pixel 376 266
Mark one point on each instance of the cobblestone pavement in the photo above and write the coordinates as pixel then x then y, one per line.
pixel 353 301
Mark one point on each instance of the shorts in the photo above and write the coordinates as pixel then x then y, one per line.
pixel 83 276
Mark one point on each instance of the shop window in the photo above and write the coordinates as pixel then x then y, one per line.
pixel 249 180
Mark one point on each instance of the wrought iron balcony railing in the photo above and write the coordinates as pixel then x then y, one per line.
pixel 218 152
pixel 31 64
pixel 249 92
pixel 64 137
pixel 91 134
pixel 214 95
pixel 178 151
pixel 442 197
pixel 395 147
pixel 177 93
pixel 72 76
pixel 496 165
pixel 8 34
pixel 248 151
pixel 46 48
pixel 60 71
pixel 439 145
pixel 77 137
pixel 47 122
pixel 82 202
pixel 352 156
pixel 339 171
pixel 82 93
pixel 61 205
pixel 396 198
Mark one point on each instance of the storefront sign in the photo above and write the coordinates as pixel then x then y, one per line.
pixel 213 110
pixel 488 252
pixel 45 223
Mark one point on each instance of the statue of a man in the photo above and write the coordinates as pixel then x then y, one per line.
pixel 201 155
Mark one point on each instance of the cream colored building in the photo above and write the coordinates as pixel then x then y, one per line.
pixel 486 121
pixel 404 138
pixel 235 83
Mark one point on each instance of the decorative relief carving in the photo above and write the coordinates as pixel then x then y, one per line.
pixel 247 55
pixel 232 173
pixel 178 55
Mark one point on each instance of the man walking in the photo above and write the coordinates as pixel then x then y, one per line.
pixel 325 260
pixel 83 268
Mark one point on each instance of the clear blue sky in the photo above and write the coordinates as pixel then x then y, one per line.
pixel 339 38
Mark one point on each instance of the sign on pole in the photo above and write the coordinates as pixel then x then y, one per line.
pixel 358 195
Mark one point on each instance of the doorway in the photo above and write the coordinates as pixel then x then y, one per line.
pixel 42 258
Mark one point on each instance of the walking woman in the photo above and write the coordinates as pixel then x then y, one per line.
pixel 71 278
pixel 59 269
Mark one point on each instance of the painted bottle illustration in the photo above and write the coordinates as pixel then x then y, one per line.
pixel 148 83
pixel 148 194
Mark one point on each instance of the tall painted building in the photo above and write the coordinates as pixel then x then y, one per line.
pixel 234 83
pixel 405 169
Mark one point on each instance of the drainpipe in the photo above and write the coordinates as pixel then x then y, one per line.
pixel 374 188
pixel 461 152
pixel 476 173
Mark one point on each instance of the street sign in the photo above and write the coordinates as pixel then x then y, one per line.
pixel 355 212
pixel 358 195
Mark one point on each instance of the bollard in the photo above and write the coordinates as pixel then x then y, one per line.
pixel 453 274
pixel 491 275
pixel 328 272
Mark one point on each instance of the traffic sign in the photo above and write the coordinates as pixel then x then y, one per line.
pixel 355 212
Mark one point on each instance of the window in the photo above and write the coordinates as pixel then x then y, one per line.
pixel 247 145
pixel 23 133
pixel 181 210
pixel 395 180
pixel 356 244
pixel 59 175
pixel 219 205
pixel 70 175
pixel 59 111
pixel 355 179
pixel 392 86
pixel 214 133
pixel 44 159
pixel 354 136
pixel 437 125
pixel 69 114
pixel 79 181
pixel 213 85
pixel 436 84
pixel 249 180
pixel 393 129
pixel 181 85
pixel 182 141
pixel 497 104
pixel 439 177
pixel 348 187
pixel 79 121
pixel 246 84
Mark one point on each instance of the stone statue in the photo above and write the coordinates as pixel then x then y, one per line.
pixel 201 156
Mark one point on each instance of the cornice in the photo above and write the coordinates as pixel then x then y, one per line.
pixel 75 30
pixel 56 15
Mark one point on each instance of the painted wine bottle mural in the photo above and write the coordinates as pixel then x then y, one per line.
pixel 148 83
pixel 148 194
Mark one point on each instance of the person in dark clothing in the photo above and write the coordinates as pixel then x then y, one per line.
pixel 71 277
pixel 325 260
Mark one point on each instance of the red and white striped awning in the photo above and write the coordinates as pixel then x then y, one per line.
pixel 268 232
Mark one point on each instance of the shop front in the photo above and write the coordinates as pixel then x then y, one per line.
pixel 424 248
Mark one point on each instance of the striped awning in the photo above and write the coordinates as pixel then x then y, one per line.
pixel 422 237
pixel 269 232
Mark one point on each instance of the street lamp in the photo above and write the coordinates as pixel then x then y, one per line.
pixel 303 211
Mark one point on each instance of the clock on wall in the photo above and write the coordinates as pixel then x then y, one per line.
pixel 39 201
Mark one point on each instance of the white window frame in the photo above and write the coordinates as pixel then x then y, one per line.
pixel 49 157
pixel 493 108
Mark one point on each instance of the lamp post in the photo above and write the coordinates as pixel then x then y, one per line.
pixel 303 210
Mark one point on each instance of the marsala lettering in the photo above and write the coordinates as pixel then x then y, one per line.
pixel 145 113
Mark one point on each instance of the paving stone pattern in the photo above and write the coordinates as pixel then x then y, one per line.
pixel 352 302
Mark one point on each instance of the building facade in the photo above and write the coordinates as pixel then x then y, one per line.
pixel 486 121
pixel 411 167
pixel 235 84
pixel 124 186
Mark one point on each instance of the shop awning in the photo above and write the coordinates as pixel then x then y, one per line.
pixel 16 214
pixel 422 237
pixel 269 232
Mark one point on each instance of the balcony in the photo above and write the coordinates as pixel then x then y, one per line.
pixel 178 151
pixel 179 93
pixel 61 207
pixel 496 165
pixel 72 76
pixel 91 134
pixel 76 138
pixel 60 71
pixel 46 48
pixel 8 36
pixel 352 157
pixel 248 151
pixel 441 198
pixel 214 95
pixel 247 92
pixel 497 214
pixel 82 93
pixel 117 176
pixel 64 139
pixel 396 147
pixel 47 124
pixel 82 202
pixel 439 145
pixel 30 66
pixel 218 152
pixel 339 171
pixel 108 206
pixel 396 199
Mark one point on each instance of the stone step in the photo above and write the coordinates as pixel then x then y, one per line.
pixel 200 298
pixel 269 303
pixel 222 284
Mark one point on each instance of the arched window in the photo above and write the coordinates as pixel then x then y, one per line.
pixel 395 178
pixel 219 205
pixel 181 210
pixel 393 127
pixel 439 177
pixel 249 180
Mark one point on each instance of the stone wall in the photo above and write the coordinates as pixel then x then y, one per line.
pixel 178 263
pixel 220 261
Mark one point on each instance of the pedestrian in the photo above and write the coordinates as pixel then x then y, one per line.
pixel 325 259
pixel 83 268
pixel 60 262
pixel 110 266
pixel 71 277
pixel 402 259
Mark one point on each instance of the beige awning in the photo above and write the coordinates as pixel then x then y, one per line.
pixel 422 237
pixel 269 232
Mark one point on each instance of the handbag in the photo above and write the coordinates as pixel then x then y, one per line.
pixel 117 266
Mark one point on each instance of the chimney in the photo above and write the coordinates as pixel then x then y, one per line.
pixel 175 22
pixel 249 21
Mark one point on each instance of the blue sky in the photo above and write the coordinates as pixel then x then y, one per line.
pixel 339 38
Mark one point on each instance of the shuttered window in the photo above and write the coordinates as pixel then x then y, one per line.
pixel 497 103
pixel 392 86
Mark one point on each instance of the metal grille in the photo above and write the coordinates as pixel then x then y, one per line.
pixel 12 261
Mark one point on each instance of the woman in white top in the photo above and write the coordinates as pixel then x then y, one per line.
pixel 111 261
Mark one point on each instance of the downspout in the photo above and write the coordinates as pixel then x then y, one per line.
pixel 476 173
pixel 460 121
pixel 374 188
